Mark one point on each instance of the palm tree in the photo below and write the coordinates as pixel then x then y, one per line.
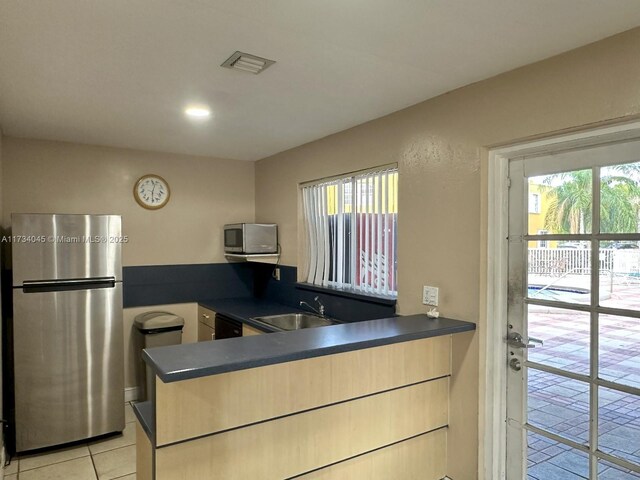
pixel 570 200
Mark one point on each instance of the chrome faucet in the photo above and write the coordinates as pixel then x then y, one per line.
pixel 319 310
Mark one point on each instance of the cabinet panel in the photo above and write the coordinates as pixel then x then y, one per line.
pixel 192 408
pixel 144 455
pixel 296 444
pixel 205 333
pixel 206 316
pixel 423 457
pixel 248 331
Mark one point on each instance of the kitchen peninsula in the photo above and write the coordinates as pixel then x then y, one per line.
pixel 358 400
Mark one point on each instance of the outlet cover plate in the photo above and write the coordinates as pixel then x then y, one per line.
pixel 430 295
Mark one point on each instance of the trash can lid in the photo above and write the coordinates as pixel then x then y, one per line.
pixel 158 321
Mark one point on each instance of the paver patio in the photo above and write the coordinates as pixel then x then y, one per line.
pixel 561 406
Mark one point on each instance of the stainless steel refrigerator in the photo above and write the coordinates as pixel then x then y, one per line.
pixel 68 347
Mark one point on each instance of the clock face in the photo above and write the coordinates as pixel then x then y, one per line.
pixel 152 191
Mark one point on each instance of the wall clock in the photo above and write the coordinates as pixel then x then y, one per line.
pixel 151 191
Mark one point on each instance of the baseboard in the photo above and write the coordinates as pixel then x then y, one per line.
pixel 131 394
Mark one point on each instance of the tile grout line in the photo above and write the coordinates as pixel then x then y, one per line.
pixel 113 450
pixel 93 464
pixel 89 454
pixel 57 462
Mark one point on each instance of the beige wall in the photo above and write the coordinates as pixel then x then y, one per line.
pixel 441 148
pixel 206 193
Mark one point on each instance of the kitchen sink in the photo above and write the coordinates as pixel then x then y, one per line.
pixel 296 321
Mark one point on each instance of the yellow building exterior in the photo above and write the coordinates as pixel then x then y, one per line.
pixel 372 195
pixel 537 208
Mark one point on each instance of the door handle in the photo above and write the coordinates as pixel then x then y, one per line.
pixel 537 340
pixel 515 340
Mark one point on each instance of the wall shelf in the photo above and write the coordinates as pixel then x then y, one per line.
pixel 254 257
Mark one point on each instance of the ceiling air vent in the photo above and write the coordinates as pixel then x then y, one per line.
pixel 247 63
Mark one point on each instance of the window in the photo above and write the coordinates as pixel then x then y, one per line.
pixel 534 203
pixel 543 243
pixel 351 231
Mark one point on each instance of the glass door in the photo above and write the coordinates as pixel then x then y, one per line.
pixel 573 386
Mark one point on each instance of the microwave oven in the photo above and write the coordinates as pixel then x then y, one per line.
pixel 248 238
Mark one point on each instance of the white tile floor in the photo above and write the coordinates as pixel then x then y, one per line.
pixel 109 459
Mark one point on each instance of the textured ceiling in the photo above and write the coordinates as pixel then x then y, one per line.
pixel 119 73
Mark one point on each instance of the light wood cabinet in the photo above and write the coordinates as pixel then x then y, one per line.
pixel 206 324
pixel 205 333
pixel 376 413
pixel 247 331
pixel 193 409
pixel 144 454
pixel 287 446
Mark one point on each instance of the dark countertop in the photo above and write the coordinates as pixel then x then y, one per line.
pixel 242 309
pixel 193 360
pixel 144 413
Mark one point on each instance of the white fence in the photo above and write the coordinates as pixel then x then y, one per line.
pixel 577 261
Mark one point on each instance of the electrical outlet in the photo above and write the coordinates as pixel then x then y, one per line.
pixel 430 295
pixel 276 273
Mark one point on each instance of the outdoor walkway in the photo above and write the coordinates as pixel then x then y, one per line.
pixel 561 405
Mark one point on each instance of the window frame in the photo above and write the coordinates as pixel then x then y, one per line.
pixel 534 205
pixel 379 203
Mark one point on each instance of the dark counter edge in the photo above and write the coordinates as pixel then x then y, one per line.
pixel 261 360
pixel 144 413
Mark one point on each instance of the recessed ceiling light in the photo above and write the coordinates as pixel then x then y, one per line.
pixel 247 63
pixel 199 112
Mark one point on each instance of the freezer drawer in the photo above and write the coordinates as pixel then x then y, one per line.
pixel 69 365
pixel 61 247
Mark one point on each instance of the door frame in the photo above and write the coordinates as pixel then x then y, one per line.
pixel 493 349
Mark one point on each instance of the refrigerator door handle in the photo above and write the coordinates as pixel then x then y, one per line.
pixel 34 286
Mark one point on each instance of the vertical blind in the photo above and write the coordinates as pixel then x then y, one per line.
pixel 351 225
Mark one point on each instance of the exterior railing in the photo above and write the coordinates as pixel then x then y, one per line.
pixel 560 261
